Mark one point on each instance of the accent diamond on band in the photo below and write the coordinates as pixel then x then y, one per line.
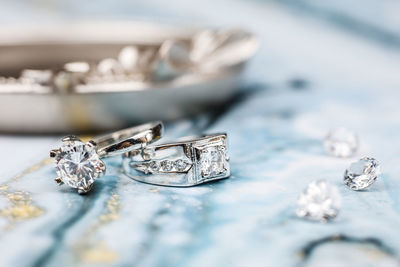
pixel 184 163
pixel 78 163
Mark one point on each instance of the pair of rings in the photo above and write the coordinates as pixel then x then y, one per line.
pixel 185 162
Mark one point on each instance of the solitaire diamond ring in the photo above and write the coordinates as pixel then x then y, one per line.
pixel 184 163
pixel 79 164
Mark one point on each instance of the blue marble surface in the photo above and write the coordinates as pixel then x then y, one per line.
pixel 312 73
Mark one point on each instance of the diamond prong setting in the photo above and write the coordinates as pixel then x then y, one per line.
pixel 59 181
pixel 53 153
pixel 70 138
pixel 84 190
pixel 78 164
pixel 212 160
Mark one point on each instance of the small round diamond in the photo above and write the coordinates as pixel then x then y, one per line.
pixel 320 201
pixel 167 165
pixel 180 165
pixel 341 142
pixel 77 164
pixel 361 174
pixel 154 166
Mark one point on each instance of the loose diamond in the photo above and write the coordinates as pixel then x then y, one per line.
pixel 180 165
pixel 167 165
pixel 320 201
pixel 361 174
pixel 212 161
pixel 341 142
pixel 78 164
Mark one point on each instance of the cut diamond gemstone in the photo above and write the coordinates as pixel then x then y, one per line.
pixel 167 165
pixel 341 142
pixel 212 161
pixel 361 174
pixel 77 164
pixel 320 201
pixel 154 166
pixel 181 165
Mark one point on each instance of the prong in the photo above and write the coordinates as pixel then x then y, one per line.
pixel 59 181
pixel 101 169
pixel 54 152
pixel 84 190
pixel 93 143
pixel 70 138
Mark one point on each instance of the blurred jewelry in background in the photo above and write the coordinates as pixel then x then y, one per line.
pixel 78 163
pixel 100 76
pixel 186 162
pixel 341 142
pixel 320 201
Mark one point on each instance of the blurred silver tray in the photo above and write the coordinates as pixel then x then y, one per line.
pixel 101 76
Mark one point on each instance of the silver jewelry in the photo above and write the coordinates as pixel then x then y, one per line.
pixel 79 164
pixel 121 70
pixel 188 162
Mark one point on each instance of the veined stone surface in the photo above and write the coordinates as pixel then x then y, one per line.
pixel 313 72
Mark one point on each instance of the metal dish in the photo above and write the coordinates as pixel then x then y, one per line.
pixel 62 78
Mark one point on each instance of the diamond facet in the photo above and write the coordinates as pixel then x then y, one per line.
pixel 78 164
pixel 320 201
pixel 361 174
pixel 180 165
pixel 154 166
pixel 212 161
pixel 167 165
pixel 341 142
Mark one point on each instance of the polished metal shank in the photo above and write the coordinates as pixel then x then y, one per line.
pixel 184 163
pixel 128 139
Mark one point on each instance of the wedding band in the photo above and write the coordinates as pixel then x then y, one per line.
pixel 183 163
pixel 79 164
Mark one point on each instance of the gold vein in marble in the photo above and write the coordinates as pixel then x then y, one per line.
pixel 89 248
pixel 99 254
pixel 22 207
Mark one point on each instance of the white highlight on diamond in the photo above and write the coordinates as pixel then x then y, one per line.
pixel 362 174
pixel 320 201
pixel 341 142
pixel 77 164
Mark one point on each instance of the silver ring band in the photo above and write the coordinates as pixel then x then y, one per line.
pixel 128 139
pixel 79 163
pixel 182 163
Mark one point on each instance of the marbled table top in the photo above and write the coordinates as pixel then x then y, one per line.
pixel 320 66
